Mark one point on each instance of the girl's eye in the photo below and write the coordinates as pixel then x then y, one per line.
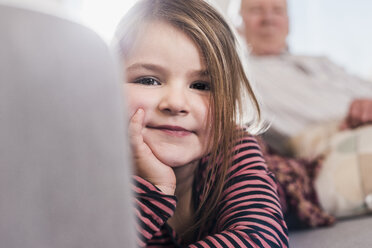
pixel 147 81
pixel 201 86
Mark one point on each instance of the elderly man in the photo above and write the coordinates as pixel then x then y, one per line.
pixel 298 91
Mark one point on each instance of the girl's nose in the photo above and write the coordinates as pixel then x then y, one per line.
pixel 174 101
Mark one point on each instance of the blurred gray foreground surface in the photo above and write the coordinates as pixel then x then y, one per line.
pixel 64 168
pixel 354 232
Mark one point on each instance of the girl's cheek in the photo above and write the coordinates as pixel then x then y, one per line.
pixel 134 103
pixel 136 98
pixel 130 100
pixel 132 107
pixel 132 111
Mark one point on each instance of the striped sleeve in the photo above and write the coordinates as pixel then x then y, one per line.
pixel 153 209
pixel 250 214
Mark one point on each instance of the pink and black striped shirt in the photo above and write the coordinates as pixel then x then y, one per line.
pixel 249 214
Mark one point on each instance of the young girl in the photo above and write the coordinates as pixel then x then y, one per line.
pixel 200 179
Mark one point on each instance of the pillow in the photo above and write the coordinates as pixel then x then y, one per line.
pixel 343 185
pixel 295 180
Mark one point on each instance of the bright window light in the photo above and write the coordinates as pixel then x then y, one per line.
pixel 103 15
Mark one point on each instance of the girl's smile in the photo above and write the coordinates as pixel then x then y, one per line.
pixel 172 130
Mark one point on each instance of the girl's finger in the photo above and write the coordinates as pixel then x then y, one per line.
pixel 135 128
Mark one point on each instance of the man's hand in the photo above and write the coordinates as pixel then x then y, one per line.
pixel 360 113
pixel 146 164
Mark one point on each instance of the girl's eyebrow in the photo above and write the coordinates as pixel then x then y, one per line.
pixel 150 67
pixel 200 73
pixel 160 69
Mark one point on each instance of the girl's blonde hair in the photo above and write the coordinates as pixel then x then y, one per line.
pixel 229 83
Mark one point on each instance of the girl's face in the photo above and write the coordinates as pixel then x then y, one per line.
pixel 167 78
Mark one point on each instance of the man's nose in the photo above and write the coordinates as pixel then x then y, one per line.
pixel 174 100
pixel 268 16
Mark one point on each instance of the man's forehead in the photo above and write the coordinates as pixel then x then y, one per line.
pixel 281 3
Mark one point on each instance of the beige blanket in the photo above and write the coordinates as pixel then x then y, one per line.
pixel 344 183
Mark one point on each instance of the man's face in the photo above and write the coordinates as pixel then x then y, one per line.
pixel 265 25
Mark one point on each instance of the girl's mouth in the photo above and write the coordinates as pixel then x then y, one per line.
pixel 172 130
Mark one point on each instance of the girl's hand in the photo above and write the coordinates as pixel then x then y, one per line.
pixel 146 164
pixel 360 113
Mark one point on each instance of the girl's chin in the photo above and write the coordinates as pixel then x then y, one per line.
pixel 175 152
pixel 174 162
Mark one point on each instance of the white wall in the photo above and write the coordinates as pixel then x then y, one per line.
pixel 65 8
pixel 339 29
